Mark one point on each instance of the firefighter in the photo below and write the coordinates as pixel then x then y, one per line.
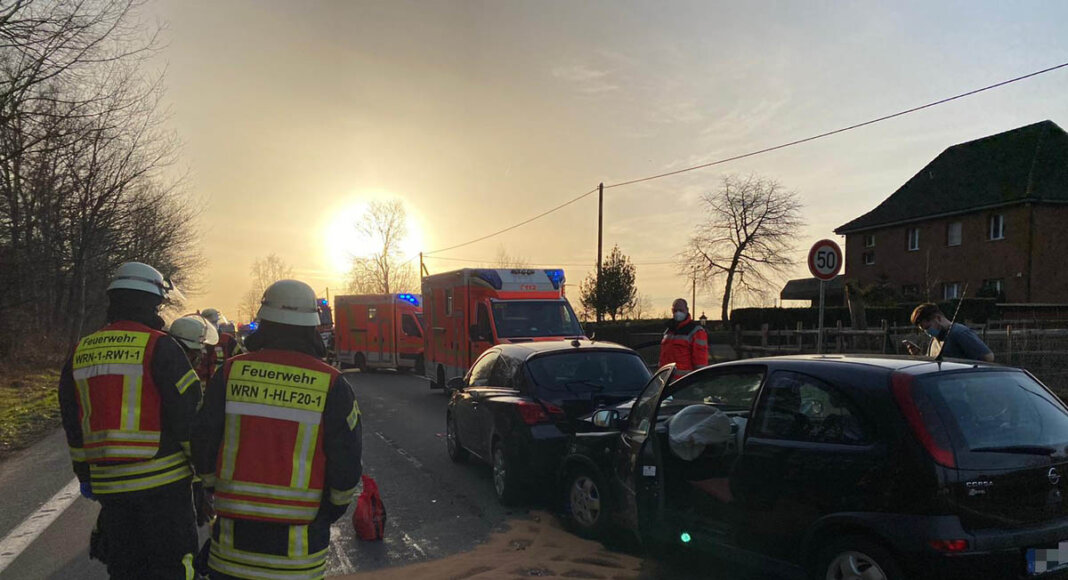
pixel 128 396
pixel 685 342
pixel 227 346
pixel 195 334
pixel 278 441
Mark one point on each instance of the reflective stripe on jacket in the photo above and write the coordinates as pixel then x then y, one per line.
pixel 686 345
pixel 271 465
pixel 119 411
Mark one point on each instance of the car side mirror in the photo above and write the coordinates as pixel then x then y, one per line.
pixel 456 384
pixel 606 418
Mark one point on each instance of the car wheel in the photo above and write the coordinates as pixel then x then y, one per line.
pixel 585 502
pixel 505 482
pixel 360 363
pixel 452 441
pixel 856 558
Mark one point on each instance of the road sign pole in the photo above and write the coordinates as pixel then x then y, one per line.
pixel 819 333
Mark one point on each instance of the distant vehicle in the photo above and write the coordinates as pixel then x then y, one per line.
pixel 835 466
pixel 326 328
pixel 467 311
pixel 379 331
pixel 519 402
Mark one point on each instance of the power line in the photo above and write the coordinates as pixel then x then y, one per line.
pixel 758 152
pixel 522 223
pixel 547 264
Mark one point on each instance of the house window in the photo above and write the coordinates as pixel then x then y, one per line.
pixel 953 234
pixel 869 258
pixel 951 290
pixel 910 291
pixel 914 239
pixel 997 227
pixel 869 241
pixel 993 287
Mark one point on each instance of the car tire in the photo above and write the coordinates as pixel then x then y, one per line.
pixel 505 477
pixel 457 453
pixel 852 557
pixel 360 362
pixel 586 503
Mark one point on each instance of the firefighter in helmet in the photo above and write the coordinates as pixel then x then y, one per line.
pixel 227 346
pixel 196 335
pixel 128 396
pixel 278 441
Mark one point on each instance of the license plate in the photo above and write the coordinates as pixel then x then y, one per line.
pixel 1043 560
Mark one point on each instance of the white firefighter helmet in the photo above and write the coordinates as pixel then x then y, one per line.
pixel 289 302
pixel 214 316
pixel 142 277
pixel 194 332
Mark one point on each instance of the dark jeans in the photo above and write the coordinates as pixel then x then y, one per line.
pixel 150 535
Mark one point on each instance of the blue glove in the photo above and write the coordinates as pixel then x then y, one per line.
pixel 87 491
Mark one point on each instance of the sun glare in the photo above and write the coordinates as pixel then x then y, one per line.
pixel 343 242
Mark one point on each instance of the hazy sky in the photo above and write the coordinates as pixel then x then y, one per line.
pixel 481 114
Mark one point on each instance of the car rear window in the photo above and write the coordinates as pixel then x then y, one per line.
pixel 998 412
pixel 583 372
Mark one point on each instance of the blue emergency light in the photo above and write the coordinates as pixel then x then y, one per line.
pixel 492 277
pixel 252 326
pixel 409 298
pixel 322 302
pixel 556 277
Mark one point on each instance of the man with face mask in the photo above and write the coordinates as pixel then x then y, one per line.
pixel 949 339
pixel 685 342
pixel 195 334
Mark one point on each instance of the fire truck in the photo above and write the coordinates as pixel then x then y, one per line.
pixel 378 331
pixel 467 311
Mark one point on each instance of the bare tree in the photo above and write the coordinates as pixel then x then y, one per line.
pixel 263 272
pixel 747 237
pixel 505 260
pixel 384 271
pixel 643 306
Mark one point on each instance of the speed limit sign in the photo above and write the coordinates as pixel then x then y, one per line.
pixel 825 259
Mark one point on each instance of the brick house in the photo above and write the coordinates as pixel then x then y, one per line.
pixel 989 214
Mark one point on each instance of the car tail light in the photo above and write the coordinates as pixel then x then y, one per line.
pixel 949 546
pixel 534 413
pixel 923 419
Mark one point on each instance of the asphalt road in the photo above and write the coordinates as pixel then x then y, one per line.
pixel 435 507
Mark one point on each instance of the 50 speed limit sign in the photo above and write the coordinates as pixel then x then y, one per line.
pixel 825 259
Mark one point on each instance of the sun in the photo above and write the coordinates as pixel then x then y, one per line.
pixel 343 242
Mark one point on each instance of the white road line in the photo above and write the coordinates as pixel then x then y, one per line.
pixel 407 456
pixel 21 537
pixel 340 554
pixel 411 543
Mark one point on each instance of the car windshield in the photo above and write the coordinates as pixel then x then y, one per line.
pixel 999 412
pixel 589 372
pixel 535 318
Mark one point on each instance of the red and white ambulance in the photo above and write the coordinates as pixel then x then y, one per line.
pixel 467 311
pixel 378 331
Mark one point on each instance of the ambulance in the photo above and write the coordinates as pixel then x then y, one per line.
pixel 467 311
pixel 378 331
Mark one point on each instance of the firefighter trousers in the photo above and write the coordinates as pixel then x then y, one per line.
pixel 150 534
pixel 251 549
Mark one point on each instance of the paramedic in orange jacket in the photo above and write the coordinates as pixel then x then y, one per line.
pixel 685 342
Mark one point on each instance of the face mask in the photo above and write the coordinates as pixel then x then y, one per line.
pixel 680 316
pixel 932 331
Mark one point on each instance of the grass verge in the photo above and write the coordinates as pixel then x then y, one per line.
pixel 29 408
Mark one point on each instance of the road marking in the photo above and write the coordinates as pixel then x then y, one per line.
pixel 411 543
pixel 21 537
pixel 408 456
pixel 340 555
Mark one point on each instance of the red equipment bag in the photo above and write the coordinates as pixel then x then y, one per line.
pixel 369 517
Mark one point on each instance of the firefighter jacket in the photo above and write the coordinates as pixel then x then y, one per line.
pixel 128 396
pixel 279 440
pixel 685 344
pixel 215 356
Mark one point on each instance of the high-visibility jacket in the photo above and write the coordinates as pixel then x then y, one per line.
pixel 215 356
pixel 271 465
pixel 686 345
pixel 115 422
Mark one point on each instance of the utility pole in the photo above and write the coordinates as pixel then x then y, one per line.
pixel 693 293
pixel 600 247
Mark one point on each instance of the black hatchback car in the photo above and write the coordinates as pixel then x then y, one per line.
pixel 519 402
pixel 836 467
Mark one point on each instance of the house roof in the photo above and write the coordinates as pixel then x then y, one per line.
pixel 1025 164
pixel 809 289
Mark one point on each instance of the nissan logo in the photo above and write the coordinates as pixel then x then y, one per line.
pixel 1054 476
